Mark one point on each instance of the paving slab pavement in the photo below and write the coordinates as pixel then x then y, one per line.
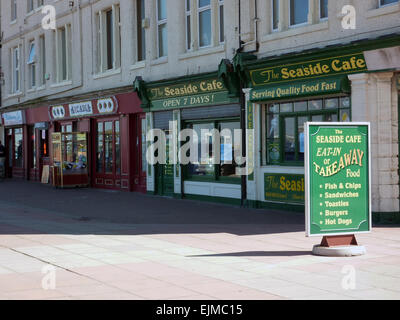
pixel 94 245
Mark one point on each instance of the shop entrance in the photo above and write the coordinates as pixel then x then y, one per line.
pixel 165 172
pixel 107 155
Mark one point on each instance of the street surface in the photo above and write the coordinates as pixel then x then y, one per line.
pixel 99 244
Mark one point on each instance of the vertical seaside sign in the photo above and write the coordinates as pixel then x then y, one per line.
pixel 337 172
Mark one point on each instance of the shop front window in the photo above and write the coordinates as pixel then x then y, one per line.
pixel 117 148
pixel 18 148
pixel 206 167
pixel 108 147
pixel 284 129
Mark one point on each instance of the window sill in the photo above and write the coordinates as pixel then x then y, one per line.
pixel 202 52
pixel 30 13
pixel 106 74
pixel 61 84
pixel 13 22
pixel 212 180
pixel 14 95
pixel 296 30
pixel 388 9
pixel 159 61
pixel 41 88
pixel 138 65
pixel 31 90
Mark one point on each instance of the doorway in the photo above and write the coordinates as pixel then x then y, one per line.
pixel 107 154
pixel 165 172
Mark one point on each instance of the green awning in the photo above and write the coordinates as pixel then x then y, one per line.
pixel 298 89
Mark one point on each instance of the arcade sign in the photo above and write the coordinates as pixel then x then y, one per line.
pixel 84 109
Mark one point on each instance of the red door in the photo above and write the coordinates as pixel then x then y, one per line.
pixel 107 154
pixel 139 179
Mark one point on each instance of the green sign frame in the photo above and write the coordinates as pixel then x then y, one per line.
pixel 338 178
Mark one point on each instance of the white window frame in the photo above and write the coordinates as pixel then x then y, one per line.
pixel 160 23
pixel 102 39
pixel 200 10
pixel 15 69
pixel 380 5
pixel 221 7
pixel 272 16
pixel 32 64
pixel 290 16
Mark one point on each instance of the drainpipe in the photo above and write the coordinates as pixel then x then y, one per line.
pixel 242 97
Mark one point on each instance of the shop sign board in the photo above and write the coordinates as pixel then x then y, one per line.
pixel 337 176
pixel 192 88
pixel 301 89
pixel 288 188
pixel 80 109
pixel 13 118
pixel 83 109
pixel 346 64
pixel 194 93
pixel 214 98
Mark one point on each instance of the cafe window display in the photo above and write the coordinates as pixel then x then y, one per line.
pixel 284 130
pixel 205 169
pixel 70 159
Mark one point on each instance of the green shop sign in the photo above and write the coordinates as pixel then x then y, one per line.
pixel 337 178
pixel 186 89
pixel 284 187
pixel 322 86
pixel 346 64
pixel 190 91
pixel 206 99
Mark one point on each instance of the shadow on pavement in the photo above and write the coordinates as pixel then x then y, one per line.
pixel 258 254
pixel 95 211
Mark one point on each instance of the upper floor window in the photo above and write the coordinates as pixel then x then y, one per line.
pixel 141 35
pixel 323 9
pixel 29 5
pixel 40 3
pixel 162 33
pixel 63 53
pixel 13 10
pixel 32 64
pixel 188 22
pixel 204 23
pixel 221 21
pixel 109 39
pixel 386 2
pixel 275 14
pixel 16 70
pixel 42 48
pixel 298 12
pixel 204 18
